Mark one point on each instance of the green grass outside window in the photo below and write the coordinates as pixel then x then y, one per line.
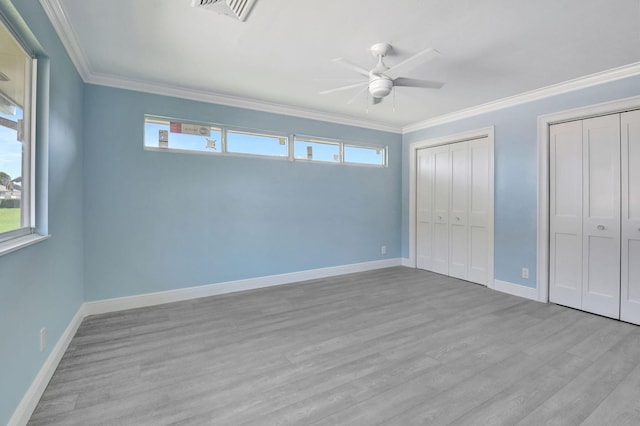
pixel 9 219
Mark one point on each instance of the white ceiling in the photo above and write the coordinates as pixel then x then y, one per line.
pixel 492 49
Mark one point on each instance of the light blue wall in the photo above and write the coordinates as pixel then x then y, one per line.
pixel 42 285
pixel 125 221
pixel 515 171
pixel 157 221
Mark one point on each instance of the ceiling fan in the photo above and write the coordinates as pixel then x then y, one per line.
pixel 382 79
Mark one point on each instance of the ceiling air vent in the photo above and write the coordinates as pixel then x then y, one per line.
pixel 238 9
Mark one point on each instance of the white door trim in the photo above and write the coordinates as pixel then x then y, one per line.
pixel 487 132
pixel 544 121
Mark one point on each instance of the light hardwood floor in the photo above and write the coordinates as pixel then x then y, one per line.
pixel 396 346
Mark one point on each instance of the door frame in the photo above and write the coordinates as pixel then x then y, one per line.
pixel 487 132
pixel 544 122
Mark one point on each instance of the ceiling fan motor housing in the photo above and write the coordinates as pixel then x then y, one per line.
pixel 380 86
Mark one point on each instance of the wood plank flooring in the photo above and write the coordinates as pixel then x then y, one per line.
pixel 396 346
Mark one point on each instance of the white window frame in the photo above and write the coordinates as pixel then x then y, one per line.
pixel 384 150
pixel 26 234
pixel 223 136
pixel 260 133
pixel 289 139
pixel 342 145
pixel 164 120
pixel 301 138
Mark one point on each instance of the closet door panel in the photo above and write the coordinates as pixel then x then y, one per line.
pixel 454 210
pixel 424 241
pixel 479 211
pixel 630 262
pixel 601 215
pixel 440 216
pixel 565 214
pixel 459 195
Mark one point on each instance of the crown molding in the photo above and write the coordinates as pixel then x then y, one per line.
pixel 58 18
pixel 613 74
pixel 233 101
pixel 62 26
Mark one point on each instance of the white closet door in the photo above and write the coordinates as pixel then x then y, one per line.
pixel 480 208
pixel 454 210
pixel 441 210
pixel 601 215
pixel 459 195
pixel 565 214
pixel 630 271
pixel 424 241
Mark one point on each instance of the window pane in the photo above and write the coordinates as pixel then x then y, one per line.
pixel 364 155
pixel 252 143
pixel 10 172
pixel 316 151
pixel 15 88
pixel 184 136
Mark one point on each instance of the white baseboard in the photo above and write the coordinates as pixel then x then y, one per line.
pixel 30 399
pixel 516 289
pixel 407 262
pixel 150 299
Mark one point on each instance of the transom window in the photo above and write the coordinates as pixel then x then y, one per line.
pixel 183 136
pixel 313 150
pixel 257 144
pixel 364 155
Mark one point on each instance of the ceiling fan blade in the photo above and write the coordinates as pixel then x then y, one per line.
pixel 339 89
pixel 351 66
pixel 376 101
pixel 357 95
pixel 413 82
pixel 338 80
pixel 412 62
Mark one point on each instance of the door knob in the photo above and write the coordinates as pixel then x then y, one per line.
pixel 457 217
pixel 439 217
pixel 600 227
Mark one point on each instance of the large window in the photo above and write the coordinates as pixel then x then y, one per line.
pixel 17 119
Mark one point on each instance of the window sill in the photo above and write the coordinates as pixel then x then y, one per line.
pixel 14 244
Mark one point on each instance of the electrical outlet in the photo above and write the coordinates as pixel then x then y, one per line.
pixel 525 273
pixel 383 249
pixel 43 339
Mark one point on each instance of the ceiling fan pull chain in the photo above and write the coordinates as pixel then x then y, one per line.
pixel 394 101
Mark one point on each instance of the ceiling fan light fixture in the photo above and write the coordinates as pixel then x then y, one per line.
pixel 380 86
pixel 381 79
